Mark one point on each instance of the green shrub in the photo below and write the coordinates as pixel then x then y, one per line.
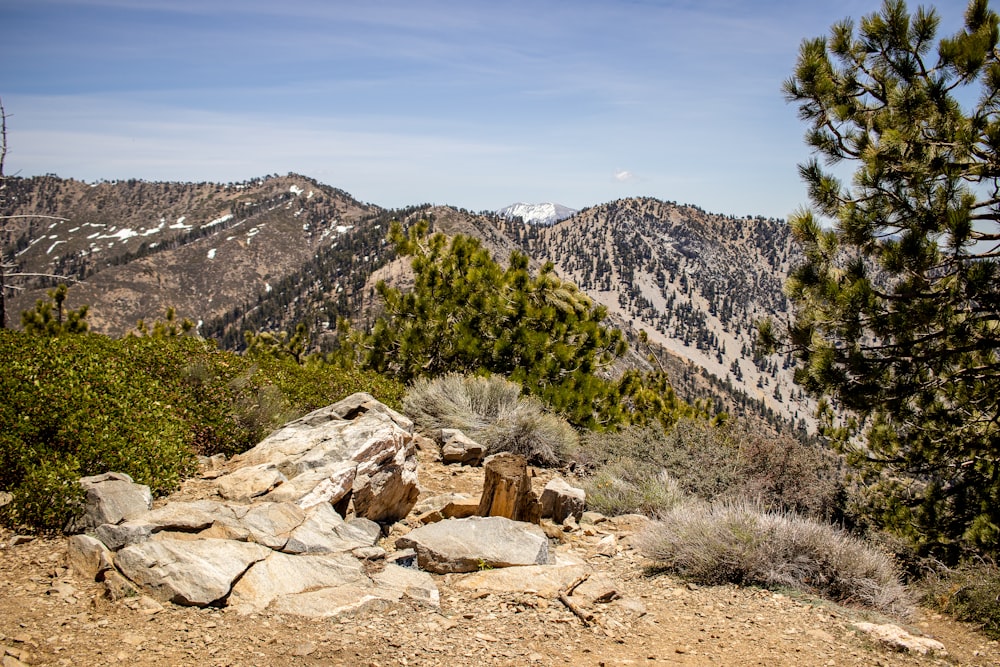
pixel 970 592
pixel 84 404
pixel 734 460
pixel 741 544
pixel 81 405
pixel 491 411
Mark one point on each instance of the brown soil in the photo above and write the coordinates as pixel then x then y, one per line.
pixel 48 616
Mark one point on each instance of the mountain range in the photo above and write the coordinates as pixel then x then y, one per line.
pixel 268 253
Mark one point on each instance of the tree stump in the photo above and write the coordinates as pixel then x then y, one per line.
pixel 507 489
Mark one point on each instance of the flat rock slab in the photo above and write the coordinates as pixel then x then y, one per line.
pixel 324 531
pixel 335 602
pixel 543 580
pixel 282 575
pixel 467 545
pixel 197 572
pixel 900 640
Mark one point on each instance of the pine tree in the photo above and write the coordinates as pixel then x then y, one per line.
pixel 51 318
pixel 468 314
pixel 897 302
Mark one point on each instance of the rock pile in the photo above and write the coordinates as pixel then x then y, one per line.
pixel 274 539
pixel 274 535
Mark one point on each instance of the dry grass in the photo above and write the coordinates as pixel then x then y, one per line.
pixel 739 543
pixel 492 411
pixel 623 487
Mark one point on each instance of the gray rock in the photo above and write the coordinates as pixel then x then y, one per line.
pixel 323 485
pixel 271 524
pixel 386 492
pixel 375 445
pixel 184 517
pixel 440 501
pixel 410 583
pixel 117 587
pixel 111 498
pixel 117 536
pixel 196 572
pixel 560 500
pixel 334 602
pixel 244 484
pixel 368 553
pixel 324 531
pixel 88 557
pixel 467 545
pixel 456 447
pixel 900 640
pixel 282 575
pixel 542 580
pixel 361 403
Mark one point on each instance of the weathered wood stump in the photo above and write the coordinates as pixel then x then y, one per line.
pixel 507 489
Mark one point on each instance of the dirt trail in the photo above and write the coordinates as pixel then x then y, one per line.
pixel 50 617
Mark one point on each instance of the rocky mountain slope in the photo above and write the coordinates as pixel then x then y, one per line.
pixel 269 253
pixel 205 249
pixel 695 282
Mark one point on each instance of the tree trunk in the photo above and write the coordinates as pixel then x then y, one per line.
pixel 507 489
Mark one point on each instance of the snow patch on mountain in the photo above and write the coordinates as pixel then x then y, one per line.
pixel 539 214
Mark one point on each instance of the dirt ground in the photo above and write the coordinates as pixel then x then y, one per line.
pixel 48 616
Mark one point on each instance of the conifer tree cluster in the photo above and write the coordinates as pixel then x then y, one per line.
pixel 898 299
pixel 468 314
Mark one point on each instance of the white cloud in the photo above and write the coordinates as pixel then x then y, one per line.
pixel 623 175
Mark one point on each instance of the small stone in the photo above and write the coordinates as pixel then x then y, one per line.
pixel 304 649
pixel 133 639
pixel 370 553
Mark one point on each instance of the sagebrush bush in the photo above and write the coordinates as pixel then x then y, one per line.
pixel 969 592
pixel 738 459
pixel 493 412
pixel 740 543
pixel 626 487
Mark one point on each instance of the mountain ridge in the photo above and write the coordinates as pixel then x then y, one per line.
pixel 268 253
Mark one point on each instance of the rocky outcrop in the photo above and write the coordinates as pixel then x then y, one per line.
pixel 274 538
pixel 357 446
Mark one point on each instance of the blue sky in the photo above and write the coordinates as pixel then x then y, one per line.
pixel 469 103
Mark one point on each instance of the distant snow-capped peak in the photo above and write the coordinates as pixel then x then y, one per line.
pixel 539 214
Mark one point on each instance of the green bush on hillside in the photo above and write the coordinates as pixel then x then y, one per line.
pixel 85 404
pixel 970 592
pixel 80 405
